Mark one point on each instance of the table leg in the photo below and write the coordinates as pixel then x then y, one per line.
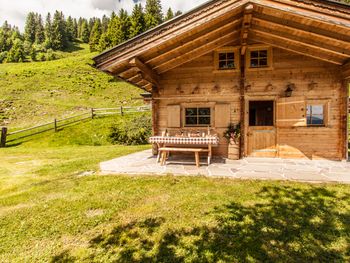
pixel 209 154
pixel 159 153
pixel 197 158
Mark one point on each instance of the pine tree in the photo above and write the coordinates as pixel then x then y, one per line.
pixel 16 53
pixel 29 30
pixel 104 42
pixel 95 36
pixel 39 30
pixel 85 34
pixel 70 29
pixel 59 32
pixel 48 31
pixel 119 28
pixel 153 14
pixel 80 23
pixel 75 26
pixel 137 21
pixel 169 14
pixel 178 13
pixel 104 23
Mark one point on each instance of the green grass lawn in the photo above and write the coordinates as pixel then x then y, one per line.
pixel 37 92
pixel 50 212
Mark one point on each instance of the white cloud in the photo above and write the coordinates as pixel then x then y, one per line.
pixel 15 11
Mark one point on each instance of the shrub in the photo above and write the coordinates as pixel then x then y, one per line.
pixel 3 56
pixel 131 130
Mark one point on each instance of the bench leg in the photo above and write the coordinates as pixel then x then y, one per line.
pixel 164 153
pixel 196 154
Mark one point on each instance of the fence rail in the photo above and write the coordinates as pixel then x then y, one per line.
pixel 55 125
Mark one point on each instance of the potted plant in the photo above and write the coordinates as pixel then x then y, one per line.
pixel 233 133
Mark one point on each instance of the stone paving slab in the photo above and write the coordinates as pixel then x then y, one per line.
pixel 249 168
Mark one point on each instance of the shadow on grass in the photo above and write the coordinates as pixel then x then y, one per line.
pixel 289 224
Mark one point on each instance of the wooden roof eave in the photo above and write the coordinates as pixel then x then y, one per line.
pixel 135 47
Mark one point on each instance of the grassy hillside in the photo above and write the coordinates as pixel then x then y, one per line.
pixel 33 93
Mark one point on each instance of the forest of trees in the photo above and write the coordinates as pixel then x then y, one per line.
pixel 43 36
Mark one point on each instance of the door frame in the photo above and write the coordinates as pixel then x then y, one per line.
pixel 246 119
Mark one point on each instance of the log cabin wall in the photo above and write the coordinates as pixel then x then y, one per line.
pixel 197 83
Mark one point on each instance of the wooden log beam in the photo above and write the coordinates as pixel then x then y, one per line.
pixel 150 75
pixel 130 72
pixel 302 35
pixel 135 79
pixel 188 27
pixel 287 44
pixel 246 24
pixel 346 70
pixel 197 52
pixel 339 21
pixel 301 23
pixel 185 47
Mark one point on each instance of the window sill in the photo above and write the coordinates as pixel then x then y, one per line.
pixel 225 71
pixel 259 69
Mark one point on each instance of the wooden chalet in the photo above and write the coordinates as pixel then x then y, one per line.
pixel 281 68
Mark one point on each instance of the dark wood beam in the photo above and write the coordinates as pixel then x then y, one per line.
pixel 128 73
pixel 246 24
pixel 297 47
pixel 135 79
pixel 197 52
pixel 150 75
pixel 302 35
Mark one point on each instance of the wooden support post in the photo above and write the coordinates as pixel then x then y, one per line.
pixel 154 118
pixel 55 125
pixel 242 101
pixel 3 137
pixel 92 113
pixel 121 111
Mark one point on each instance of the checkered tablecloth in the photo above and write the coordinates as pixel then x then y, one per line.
pixel 212 140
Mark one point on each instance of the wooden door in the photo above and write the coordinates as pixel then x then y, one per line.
pixel 262 141
pixel 261 136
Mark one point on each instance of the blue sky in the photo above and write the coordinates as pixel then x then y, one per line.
pixel 14 11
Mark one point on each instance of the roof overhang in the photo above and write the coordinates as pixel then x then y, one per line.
pixel 317 28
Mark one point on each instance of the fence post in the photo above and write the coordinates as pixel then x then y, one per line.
pixel 92 113
pixel 121 110
pixel 3 137
pixel 55 124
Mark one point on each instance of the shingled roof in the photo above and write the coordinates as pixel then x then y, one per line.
pixel 317 28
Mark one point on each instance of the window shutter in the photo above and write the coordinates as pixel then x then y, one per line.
pixel 291 112
pixel 222 115
pixel 174 116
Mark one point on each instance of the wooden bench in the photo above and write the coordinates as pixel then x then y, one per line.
pixel 164 151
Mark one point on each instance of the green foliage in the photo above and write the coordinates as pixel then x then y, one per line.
pixel 153 13
pixel 48 32
pixel 16 53
pixel 137 21
pixel 30 28
pixel 70 29
pixel 85 33
pixel 95 36
pixel 59 32
pixel 132 131
pixel 39 30
pixel 169 14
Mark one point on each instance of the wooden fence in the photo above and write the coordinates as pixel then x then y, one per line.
pixel 57 124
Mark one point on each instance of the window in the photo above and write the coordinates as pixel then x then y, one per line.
pixel 315 115
pixel 226 60
pixel 261 113
pixel 258 58
pixel 197 116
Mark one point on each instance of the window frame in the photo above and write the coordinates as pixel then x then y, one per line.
pixel 325 104
pixel 253 48
pixel 228 49
pixel 210 105
pixel 197 116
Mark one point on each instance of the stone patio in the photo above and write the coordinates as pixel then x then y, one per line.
pixel 250 168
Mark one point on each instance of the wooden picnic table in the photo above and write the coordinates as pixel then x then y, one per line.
pixel 196 145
